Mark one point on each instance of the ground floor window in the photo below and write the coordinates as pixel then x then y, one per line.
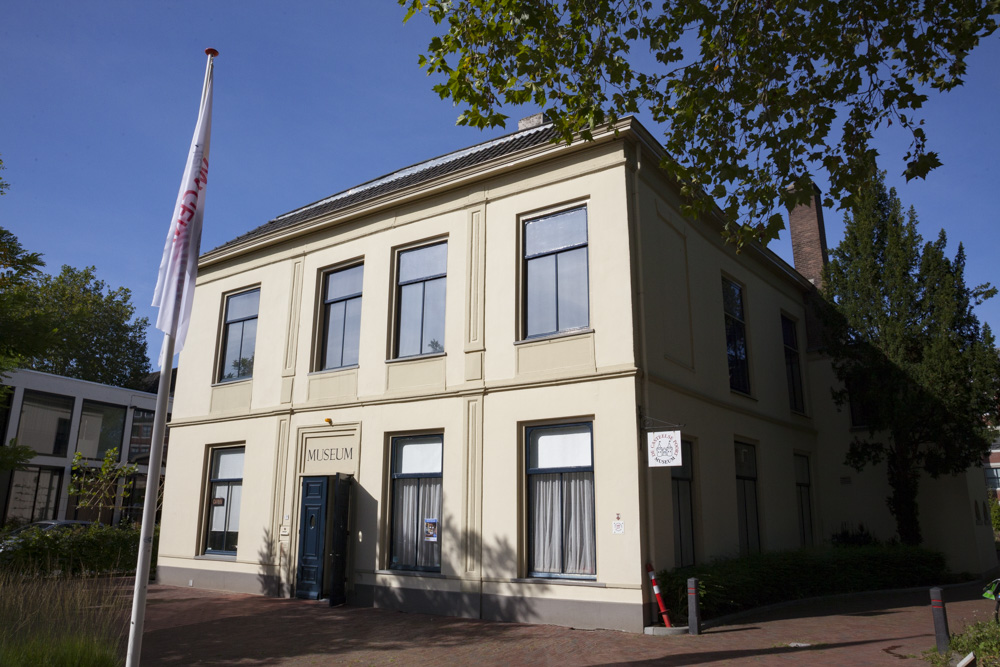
pixel 746 498
pixel 561 501
pixel 224 494
pixel 682 478
pixel 416 502
pixel 34 494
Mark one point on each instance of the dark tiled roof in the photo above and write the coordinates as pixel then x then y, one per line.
pixel 404 178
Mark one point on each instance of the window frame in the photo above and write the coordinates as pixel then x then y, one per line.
pixel 210 486
pixel 64 425
pixel 121 443
pixel 526 259
pixel 529 506
pixel 677 476
pixel 224 334
pixel 399 284
pixel 323 311
pixel 793 365
pixel 394 442
pixel 741 502
pixel 804 514
pixel 741 321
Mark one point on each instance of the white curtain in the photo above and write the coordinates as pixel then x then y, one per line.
pixel 414 500
pixel 578 523
pixel 545 520
pixel 428 552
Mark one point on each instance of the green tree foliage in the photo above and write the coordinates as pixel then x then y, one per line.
pixel 918 369
pixel 3 184
pixel 22 329
pixel 14 456
pixel 755 97
pixel 97 337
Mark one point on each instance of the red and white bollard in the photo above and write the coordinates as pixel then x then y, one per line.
pixel 656 591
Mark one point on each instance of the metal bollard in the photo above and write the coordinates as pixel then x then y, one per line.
pixel 941 634
pixel 694 609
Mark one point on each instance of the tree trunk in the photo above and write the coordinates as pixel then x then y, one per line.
pixel 904 480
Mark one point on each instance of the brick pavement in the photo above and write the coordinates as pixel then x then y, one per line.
pixel 194 627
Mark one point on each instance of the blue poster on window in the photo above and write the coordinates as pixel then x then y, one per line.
pixel 430 530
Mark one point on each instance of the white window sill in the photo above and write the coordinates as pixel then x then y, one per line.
pixel 416 357
pixel 554 336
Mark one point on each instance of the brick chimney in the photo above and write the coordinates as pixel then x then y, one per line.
pixel 809 238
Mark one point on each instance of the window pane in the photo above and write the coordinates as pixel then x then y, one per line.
pixel 423 262
pixel 546 512
pixel 788 333
pixel 542 295
pixel 429 507
pixel 736 352
pixel 44 422
pixel 732 299
pixel 560 447
pixel 243 305
pixel 405 496
pixel 579 547
pixel 102 427
pixel 333 351
pixel 561 230
pixel 571 268
pixel 746 460
pixel 233 523
pixel 801 469
pixel 142 435
pixel 352 332
pixel 231 353
pixel 433 333
pixel 418 455
pixel 411 303
pixel 228 464
pixel 344 283
pixel 247 348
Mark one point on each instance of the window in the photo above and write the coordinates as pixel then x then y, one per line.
pixel 681 478
pixel 736 336
pixel 239 336
pixel 142 437
pixel 225 488
pixel 34 494
pixel 341 317
pixel 802 484
pixel 416 503
pixel 44 423
pixel 561 501
pixel 556 288
pixel 992 478
pixel 420 300
pixel 5 416
pixel 746 498
pixel 793 371
pixel 102 427
pixel 858 391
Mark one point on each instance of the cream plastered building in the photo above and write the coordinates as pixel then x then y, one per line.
pixel 433 392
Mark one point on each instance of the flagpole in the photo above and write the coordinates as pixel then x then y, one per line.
pixel 155 464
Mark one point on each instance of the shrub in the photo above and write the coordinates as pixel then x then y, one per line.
pixel 983 638
pixel 736 584
pixel 94 549
pixel 994 513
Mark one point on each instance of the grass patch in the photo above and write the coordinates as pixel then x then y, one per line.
pixel 737 584
pixel 47 620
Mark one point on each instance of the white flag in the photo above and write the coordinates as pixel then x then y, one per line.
pixel 179 266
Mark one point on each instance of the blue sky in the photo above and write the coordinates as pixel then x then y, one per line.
pixel 98 101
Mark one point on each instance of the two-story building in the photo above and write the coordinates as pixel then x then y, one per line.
pixel 432 392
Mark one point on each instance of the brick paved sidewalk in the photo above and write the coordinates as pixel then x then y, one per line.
pixel 194 627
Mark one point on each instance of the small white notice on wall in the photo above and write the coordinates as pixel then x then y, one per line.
pixel 618 526
pixel 664 448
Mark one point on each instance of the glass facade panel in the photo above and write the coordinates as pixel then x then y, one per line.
pixel 33 494
pixel 44 422
pixel 102 427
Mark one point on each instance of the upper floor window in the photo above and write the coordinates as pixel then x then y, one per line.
pixel 341 317
pixel 736 336
pixel 102 428
pixel 44 423
pixel 420 300
pixel 793 371
pixel 557 295
pixel 239 336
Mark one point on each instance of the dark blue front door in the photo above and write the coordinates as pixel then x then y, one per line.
pixel 312 538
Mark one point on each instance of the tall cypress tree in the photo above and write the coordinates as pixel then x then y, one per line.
pixel 918 369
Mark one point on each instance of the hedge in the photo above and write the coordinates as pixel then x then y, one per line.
pixel 95 549
pixel 731 585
